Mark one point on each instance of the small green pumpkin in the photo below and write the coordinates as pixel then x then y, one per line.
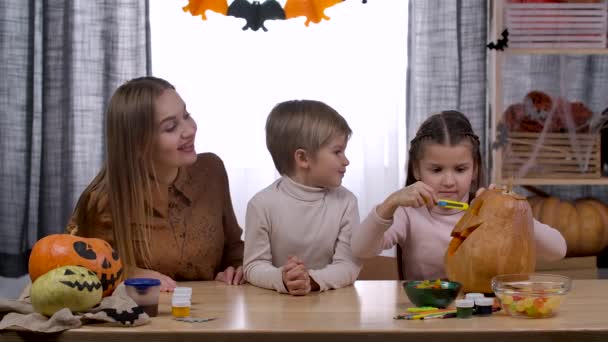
pixel 73 287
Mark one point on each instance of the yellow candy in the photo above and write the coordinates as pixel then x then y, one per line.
pixel 506 299
pixel 553 302
pixel 544 310
pixel 531 311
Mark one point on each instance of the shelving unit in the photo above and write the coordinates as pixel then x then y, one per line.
pixel 496 107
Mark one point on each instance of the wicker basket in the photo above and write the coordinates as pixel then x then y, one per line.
pixel 556 157
pixel 557 25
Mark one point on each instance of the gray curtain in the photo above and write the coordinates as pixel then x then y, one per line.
pixel 447 61
pixel 59 63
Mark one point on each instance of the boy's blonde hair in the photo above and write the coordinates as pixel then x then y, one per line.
pixel 301 124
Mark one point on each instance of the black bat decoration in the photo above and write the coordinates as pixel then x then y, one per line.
pixel 256 13
pixel 124 316
pixel 501 44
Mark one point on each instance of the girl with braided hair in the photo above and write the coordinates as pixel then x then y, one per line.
pixel 444 162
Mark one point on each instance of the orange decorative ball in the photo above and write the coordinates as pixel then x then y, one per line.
pixel 58 250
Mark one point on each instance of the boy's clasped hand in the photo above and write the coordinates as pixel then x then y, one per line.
pixel 296 278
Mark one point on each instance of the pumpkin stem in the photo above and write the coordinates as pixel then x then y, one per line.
pixel 508 189
pixel 72 229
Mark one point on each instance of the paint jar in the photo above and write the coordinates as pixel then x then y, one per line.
pixel 464 308
pixel 180 307
pixel 186 291
pixel 472 296
pixel 483 306
pixel 145 292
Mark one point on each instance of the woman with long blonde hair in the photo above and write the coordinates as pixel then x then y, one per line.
pixel 165 208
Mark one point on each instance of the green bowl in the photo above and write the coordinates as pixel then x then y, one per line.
pixel 439 298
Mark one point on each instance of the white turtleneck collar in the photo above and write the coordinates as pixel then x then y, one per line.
pixel 301 192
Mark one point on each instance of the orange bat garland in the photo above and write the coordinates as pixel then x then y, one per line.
pixel 199 7
pixel 313 10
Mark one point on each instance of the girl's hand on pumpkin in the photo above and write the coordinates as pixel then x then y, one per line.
pixel 416 195
pixel 490 187
pixel 231 276
pixel 166 283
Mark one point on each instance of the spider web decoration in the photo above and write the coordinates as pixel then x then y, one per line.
pixel 257 12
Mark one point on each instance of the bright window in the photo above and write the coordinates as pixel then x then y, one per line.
pixel 230 79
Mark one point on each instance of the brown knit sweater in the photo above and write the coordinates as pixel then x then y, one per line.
pixel 195 233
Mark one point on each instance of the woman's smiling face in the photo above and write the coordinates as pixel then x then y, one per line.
pixel 175 132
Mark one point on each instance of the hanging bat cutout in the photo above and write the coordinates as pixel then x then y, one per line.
pixel 501 44
pixel 313 10
pixel 199 7
pixel 256 13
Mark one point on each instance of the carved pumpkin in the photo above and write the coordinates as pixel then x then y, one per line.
pixel 583 223
pixel 72 287
pixel 495 236
pixel 58 250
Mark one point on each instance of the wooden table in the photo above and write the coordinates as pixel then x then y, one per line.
pixel 363 312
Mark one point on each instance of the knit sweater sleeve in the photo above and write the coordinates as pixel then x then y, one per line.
pixel 258 268
pixel 344 268
pixel 550 244
pixel 376 234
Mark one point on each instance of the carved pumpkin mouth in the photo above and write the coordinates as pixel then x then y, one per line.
pixel 81 286
pixel 473 223
pixel 110 282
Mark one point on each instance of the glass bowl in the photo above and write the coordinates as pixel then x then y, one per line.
pixel 531 295
pixel 422 293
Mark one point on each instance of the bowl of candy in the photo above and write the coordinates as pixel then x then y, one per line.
pixel 436 293
pixel 531 295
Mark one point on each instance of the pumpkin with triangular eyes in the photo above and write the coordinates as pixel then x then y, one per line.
pixel 495 236
pixel 95 254
pixel 72 287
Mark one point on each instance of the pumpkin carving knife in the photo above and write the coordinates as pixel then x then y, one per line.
pixel 452 204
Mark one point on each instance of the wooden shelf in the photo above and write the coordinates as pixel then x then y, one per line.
pixel 496 105
pixel 556 181
pixel 556 51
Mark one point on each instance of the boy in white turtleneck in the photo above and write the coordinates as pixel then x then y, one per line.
pixel 298 229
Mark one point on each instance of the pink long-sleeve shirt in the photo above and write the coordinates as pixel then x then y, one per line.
pixel 424 235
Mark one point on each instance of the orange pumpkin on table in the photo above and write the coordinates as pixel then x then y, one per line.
pixel 583 223
pixel 495 236
pixel 58 250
